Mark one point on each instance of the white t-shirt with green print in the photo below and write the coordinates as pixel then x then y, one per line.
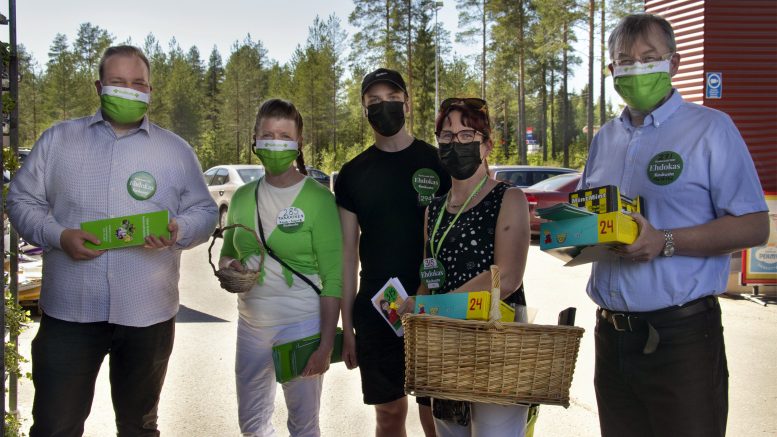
pixel 302 226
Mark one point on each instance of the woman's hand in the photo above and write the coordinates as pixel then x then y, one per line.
pixel 318 362
pixel 236 265
pixel 349 349
pixel 407 307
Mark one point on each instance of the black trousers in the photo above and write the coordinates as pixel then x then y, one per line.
pixel 66 358
pixel 679 390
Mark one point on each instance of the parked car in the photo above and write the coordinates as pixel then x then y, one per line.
pixel 548 193
pixel 333 180
pixel 526 175
pixel 223 180
pixel 320 177
pixel 22 155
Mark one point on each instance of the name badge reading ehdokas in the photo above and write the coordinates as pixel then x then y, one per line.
pixel 141 185
pixel 425 183
pixel 665 168
pixel 290 219
pixel 432 273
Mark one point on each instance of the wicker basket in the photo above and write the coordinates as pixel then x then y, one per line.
pixel 490 362
pixel 232 280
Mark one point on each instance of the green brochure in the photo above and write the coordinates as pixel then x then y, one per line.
pixel 291 358
pixel 127 231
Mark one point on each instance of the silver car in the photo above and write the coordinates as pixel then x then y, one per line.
pixel 223 180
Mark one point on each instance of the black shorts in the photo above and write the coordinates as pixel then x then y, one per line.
pixel 381 354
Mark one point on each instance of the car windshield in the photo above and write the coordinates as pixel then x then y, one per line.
pixel 250 174
pixel 555 183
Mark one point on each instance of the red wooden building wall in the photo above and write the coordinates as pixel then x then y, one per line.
pixel 737 38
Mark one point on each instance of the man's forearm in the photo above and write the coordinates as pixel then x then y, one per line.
pixel 349 287
pixel 722 236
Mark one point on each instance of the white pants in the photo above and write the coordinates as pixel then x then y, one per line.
pixel 255 377
pixel 488 420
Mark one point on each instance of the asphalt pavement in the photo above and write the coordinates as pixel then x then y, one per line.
pixel 199 394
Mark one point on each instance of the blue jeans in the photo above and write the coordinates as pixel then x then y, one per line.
pixel 66 357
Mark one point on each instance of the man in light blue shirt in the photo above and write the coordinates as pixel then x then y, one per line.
pixel 119 302
pixel 660 358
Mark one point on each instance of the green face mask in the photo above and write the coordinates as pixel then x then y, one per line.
pixel 276 155
pixel 123 105
pixel 643 86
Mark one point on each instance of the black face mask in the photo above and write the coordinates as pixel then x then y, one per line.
pixel 387 118
pixel 460 160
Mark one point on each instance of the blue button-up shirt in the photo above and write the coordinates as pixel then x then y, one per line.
pixel 707 173
pixel 78 171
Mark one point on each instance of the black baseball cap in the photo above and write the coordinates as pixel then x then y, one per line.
pixel 383 75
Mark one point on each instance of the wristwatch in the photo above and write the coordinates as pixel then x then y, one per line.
pixel 668 243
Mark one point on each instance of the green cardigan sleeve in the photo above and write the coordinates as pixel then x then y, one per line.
pixel 327 239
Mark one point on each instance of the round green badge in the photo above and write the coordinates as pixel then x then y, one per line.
pixel 141 185
pixel 665 168
pixel 290 219
pixel 425 183
pixel 432 273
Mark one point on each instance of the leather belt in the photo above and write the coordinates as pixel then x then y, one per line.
pixel 632 322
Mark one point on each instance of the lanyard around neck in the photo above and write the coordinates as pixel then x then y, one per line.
pixel 456 217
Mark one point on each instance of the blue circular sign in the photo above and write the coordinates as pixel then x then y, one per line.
pixel 713 80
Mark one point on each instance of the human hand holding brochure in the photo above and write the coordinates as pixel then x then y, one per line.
pixel 127 231
pixel 388 300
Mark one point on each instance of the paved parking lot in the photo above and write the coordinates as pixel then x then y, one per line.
pixel 199 394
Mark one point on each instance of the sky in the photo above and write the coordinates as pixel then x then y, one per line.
pixel 281 25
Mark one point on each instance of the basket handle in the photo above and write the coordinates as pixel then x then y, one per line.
pixel 219 232
pixel 494 315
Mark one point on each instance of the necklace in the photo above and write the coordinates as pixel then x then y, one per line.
pixel 453 222
pixel 472 196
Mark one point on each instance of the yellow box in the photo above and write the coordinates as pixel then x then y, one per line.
pixel 474 305
pixel 608 228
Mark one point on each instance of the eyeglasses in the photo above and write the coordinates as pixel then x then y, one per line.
pixel 464 136
pixel 472 102
pixel 625 62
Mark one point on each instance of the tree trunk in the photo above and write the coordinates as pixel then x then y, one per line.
pixel 237 117
pixel 522 87
pixel 334 113
pixel 603 67
pixel 410 65
pixel 388 33
pixel 553 139
pixel 590 111
pixel 543 134
pixel 565 96
pixel 483 57
pixel 505 130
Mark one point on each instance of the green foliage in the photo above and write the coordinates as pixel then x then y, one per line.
pixel 16 321
pixel 212 102
pixel 13 426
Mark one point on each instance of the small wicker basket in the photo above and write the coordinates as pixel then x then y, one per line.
pixel 232 280
pixel 490 362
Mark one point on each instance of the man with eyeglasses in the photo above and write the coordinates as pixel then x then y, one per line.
pixel 122 302
pixel 382 194
pixel 660 359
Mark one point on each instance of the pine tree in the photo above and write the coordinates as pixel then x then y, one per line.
pixel 244 87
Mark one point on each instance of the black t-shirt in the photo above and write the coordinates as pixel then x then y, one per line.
pixel 378 187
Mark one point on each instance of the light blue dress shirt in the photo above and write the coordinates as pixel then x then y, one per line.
pixel 78 171
pixel 706 174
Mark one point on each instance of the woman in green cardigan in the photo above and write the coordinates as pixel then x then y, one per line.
pixel 299 220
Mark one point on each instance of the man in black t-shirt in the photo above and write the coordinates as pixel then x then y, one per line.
pixel 382 194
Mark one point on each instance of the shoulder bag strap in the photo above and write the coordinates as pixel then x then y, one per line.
pixel 271 253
